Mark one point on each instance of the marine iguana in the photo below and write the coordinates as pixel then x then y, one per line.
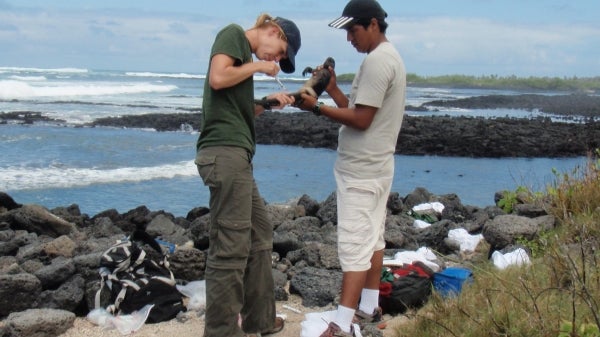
pixel 314 86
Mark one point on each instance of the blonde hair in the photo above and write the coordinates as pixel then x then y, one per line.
pixel 264 20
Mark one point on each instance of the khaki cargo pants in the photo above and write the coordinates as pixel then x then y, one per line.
pixel 239 279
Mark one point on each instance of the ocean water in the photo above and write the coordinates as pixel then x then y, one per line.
pixel 103 168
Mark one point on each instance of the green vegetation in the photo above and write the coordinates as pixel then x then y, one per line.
pixel 557 295
pixel 345 77
pixel 510 82
pixel 571 84
pixel 510 199
pixel 585 330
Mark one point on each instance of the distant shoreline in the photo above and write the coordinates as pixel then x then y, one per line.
pixel 586 85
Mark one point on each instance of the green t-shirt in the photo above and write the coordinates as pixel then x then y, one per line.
pixel 228 114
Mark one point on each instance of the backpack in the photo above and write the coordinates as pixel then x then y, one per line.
pixel 133 278
pixel 408 286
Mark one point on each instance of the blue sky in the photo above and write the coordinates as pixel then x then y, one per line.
pixel 435 37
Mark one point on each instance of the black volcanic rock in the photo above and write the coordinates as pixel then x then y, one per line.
pixel 570 105
pixel 435 135
pixel 43 273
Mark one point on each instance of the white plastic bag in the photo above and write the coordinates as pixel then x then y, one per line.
pixel 420 224
pixel 101 317
pixel 126 324
pixel 517 257
pixel 468 242
pixel 196 292
pixel 316 322
pixel 423 254
pixel 429 208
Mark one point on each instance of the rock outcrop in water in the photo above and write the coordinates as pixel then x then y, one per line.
pixel 438 135
pixel 577 135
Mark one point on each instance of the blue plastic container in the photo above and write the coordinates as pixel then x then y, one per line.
pixel 449 281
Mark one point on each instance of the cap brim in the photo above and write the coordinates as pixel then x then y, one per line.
pixel 342 22
pixel 288 65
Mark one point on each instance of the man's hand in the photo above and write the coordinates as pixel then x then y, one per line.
pixel 307 103
pixel 332 81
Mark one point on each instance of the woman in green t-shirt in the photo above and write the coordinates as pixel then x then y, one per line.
pixel 238 267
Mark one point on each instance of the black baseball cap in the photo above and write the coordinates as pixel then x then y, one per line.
pixel 292 34
pixel 357 10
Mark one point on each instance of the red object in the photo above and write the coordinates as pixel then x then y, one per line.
pixel 385 289
pixel 416 268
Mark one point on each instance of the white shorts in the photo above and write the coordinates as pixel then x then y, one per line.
pixel 361 211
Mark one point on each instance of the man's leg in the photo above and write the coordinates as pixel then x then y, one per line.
pixel 352 285
pixel 374 273
pixel 369 298
pixel 361 221
pixel 354 282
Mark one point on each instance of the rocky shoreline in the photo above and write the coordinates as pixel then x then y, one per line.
pixel 49 258
pixel 477 137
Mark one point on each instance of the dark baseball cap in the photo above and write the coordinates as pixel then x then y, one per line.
pixel 357 10
pixel 292 34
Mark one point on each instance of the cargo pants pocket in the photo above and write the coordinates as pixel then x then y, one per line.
pixel 206 169
pixel 232 239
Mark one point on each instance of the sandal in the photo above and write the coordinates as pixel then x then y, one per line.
pixel 279 324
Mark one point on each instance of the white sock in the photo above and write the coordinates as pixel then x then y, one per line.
pixel 369 300
pixel 343 317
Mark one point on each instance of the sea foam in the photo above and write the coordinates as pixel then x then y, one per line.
pixel 19 178
pixel 151 74
pixel 11 89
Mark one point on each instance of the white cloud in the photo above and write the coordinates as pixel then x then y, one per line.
pixel 98 37
pixel 429 45
pixel 480 47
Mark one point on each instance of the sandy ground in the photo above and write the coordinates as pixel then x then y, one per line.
pixel 192 325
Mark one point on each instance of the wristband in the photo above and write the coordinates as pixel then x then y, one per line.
pixel 317 109
pixel 264 104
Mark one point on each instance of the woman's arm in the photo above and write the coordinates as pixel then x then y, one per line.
pixel 223 73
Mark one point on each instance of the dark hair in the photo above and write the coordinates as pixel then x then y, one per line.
pixel 366 22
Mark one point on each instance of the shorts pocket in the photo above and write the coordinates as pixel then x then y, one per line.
pixel 233 238
pixel 361 197
pixel 354 216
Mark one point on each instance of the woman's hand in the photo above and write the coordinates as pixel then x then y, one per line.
pixel 269 68
pixel 283 98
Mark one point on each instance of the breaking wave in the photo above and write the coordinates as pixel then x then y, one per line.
pixel 19 178
pixel 11 89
